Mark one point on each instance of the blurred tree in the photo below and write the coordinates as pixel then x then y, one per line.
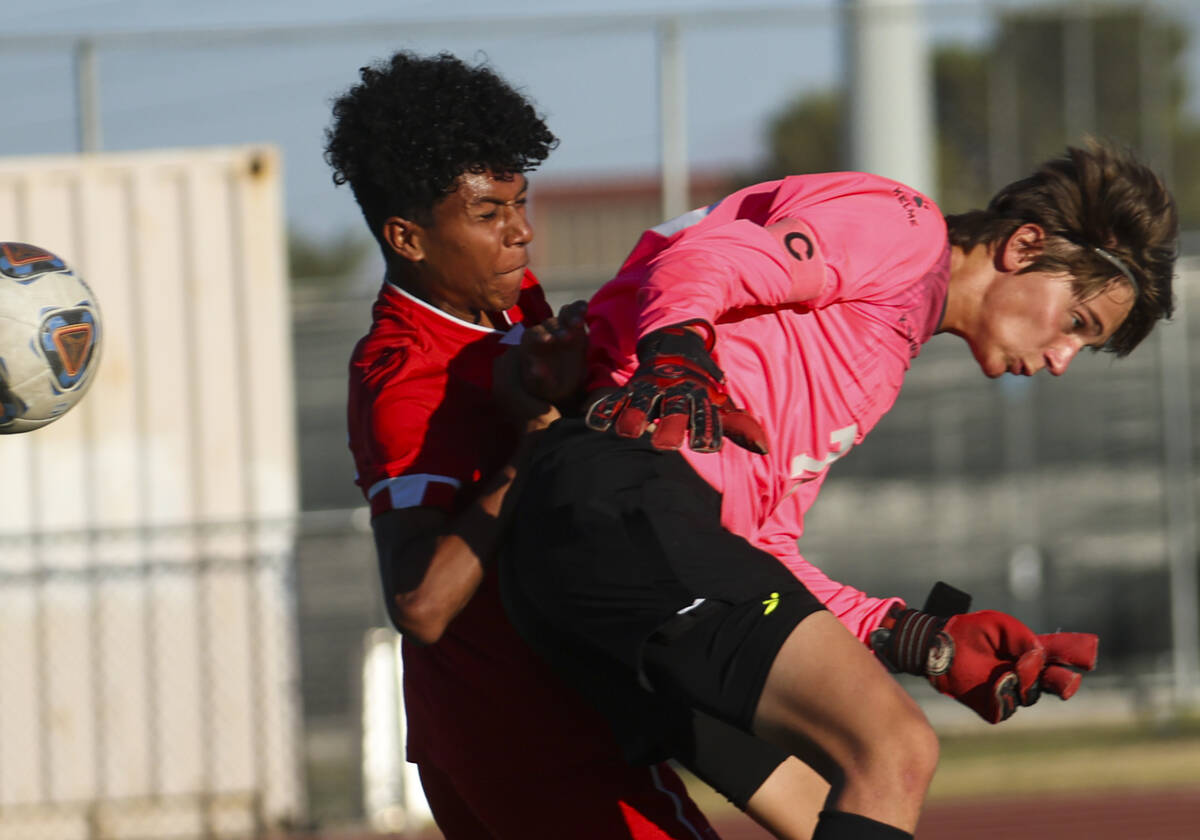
pixel 330 263
pixel 806 136
pixel 1045 78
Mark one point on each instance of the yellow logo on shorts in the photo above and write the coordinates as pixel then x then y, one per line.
pixel 771 603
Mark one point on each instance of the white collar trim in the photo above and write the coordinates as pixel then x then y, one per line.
pixel 442 312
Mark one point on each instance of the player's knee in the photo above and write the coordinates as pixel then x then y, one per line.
pixel 904 757
pixel 893 751
pixel 919 749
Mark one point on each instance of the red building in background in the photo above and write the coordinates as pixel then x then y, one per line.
pixel 586 226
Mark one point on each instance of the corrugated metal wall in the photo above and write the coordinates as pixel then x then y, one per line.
pixel 147 636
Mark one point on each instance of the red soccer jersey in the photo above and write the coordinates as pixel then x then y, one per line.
pixel 423 431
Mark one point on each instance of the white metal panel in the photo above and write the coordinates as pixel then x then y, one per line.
pixel 146 617
pixel 22 759
pixel 114 436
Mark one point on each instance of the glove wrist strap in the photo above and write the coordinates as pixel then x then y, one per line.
pixel 678 340
pixel 912 642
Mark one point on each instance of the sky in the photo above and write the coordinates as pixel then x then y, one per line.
pixel 595 80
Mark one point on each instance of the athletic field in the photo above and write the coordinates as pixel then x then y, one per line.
pixel 1138 782
pixel 1132 782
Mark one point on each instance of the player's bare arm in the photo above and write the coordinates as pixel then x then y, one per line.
pixel 427 577
pixel 431 563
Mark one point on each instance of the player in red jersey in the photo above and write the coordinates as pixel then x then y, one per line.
pixel 435 153
pixel 677 575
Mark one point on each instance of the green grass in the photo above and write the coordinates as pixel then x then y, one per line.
pixel 1087 758
pixel 1006 763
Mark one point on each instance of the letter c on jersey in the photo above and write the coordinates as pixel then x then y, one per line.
pixel 789 243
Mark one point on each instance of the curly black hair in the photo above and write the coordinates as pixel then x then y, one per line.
pixel 403 135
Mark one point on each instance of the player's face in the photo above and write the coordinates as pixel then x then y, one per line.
pixel 1033 321
pixel 475 250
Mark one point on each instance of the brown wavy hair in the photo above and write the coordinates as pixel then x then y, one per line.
pixel 1094 197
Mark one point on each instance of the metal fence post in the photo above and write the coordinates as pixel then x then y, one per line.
pixel 672 111
pixel 1179 505
pixel 87 99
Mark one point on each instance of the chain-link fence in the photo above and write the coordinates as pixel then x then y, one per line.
pixel 147 696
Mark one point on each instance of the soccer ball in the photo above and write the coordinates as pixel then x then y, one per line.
pixel 49 337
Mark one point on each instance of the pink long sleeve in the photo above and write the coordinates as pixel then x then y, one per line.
pixel 733 266
pixel 859 612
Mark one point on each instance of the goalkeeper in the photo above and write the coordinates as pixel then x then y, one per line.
pixel 663 580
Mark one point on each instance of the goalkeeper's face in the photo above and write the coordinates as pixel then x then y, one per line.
pixel 473 254
pixel 1035 320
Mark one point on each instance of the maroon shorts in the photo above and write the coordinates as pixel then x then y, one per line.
pixel 587 801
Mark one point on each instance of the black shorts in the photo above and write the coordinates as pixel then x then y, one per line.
pixel 618 571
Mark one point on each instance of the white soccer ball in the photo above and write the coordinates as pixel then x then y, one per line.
pixel 49 337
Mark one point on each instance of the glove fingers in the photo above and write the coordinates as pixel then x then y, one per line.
pixel 600 415
pixel 1004 699
pixel 706 426
pixel 742 428
pixel 677 388
pixel 994 700
pixel 631 422
pixel 670 431
pixel 1061 681
pixel 1075 649
pixel 1029 670
pixel 1010 689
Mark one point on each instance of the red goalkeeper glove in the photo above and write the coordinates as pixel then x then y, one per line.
pixel 678 385
pixel 986 660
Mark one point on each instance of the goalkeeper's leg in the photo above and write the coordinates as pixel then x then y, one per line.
pixel 618 548
pixel 788 802
pixel 827 700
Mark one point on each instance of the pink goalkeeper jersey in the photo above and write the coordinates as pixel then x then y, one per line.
pixel 822 289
